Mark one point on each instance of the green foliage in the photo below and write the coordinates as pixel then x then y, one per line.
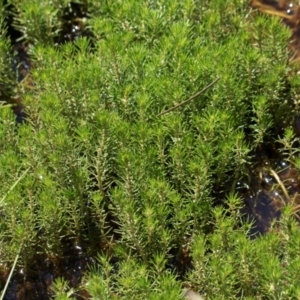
pixel 95 164
pixel 7 76
pixel 240 268
pixel 61 290
pixel 133 280
pixel 38 21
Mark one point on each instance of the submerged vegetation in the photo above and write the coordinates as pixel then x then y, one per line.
pixel 149 204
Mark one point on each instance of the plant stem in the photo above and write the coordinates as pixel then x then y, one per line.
pixel 10 274
pixel 190 99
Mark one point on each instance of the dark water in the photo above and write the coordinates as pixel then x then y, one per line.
pixel 272 187
pixel 35 283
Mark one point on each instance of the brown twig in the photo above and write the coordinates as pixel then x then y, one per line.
pixel 188 100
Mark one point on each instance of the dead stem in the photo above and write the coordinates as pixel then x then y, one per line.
pixel 190 99
pixel 9 277
pixel 274 174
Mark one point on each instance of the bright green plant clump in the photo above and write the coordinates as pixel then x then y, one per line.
pixel 96 165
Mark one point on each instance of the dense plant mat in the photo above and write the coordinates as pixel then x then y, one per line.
pixel 105 196
pixel 289 11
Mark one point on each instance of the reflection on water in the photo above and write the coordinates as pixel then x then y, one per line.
pixel 35 283
pixel 289 11
pixel 270 190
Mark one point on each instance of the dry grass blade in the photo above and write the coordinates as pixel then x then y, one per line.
pixel 190 99
pixel 9 277
pixel 285 192
pixel 14 185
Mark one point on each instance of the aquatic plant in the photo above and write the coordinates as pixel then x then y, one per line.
pixel 96 167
